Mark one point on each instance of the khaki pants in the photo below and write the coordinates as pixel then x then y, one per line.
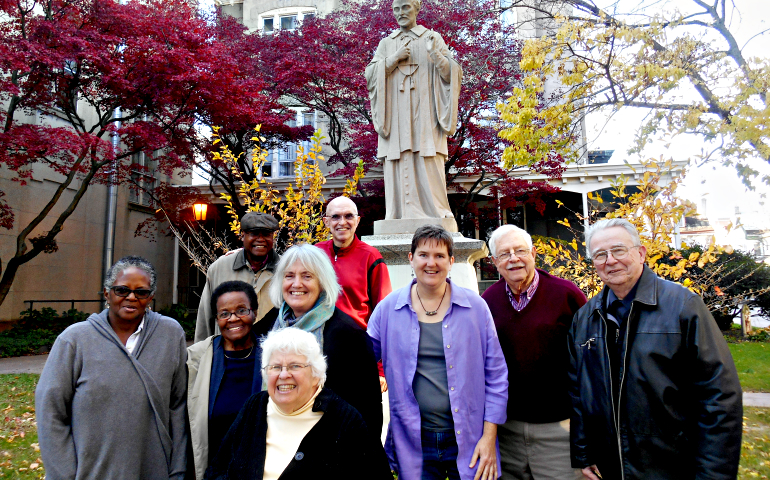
pixel 536 451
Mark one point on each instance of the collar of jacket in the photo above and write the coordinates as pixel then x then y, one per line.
pixel 241 262
pixel 322 401
pixel 345 250
pixel 646 291
pixel 417 30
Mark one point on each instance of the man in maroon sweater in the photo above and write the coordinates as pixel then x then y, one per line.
pixel 533 312
pixel 360 269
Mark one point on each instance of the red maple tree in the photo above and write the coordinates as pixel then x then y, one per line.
pixel 74 64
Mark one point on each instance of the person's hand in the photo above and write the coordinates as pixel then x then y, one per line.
pixel 404 51
pixel 486 454
pixel 383 385
pixel 431 43
pixel 592 473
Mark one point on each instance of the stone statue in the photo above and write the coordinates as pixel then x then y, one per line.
pixel 414 86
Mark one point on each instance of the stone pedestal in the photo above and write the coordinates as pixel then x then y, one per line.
pixel 409 225
pixel 395 249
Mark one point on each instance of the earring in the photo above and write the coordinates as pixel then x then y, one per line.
pixel 413 273
pixel 450 274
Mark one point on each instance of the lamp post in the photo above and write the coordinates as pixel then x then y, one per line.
pixel 200 211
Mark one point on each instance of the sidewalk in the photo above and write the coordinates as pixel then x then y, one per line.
pixel 34 364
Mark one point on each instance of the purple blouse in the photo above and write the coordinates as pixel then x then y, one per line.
pixel 476 373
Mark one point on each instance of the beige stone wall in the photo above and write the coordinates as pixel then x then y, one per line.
pixel 75 270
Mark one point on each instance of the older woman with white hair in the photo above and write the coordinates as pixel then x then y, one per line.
pixel 305 290
pixel 298 428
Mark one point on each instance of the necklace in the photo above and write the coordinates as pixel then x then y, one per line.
pixel 251 350
pixel 432 312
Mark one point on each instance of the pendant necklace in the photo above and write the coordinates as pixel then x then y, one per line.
pixel 432 312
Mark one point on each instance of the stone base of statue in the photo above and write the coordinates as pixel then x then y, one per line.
pixel 395 250
pixel 409 225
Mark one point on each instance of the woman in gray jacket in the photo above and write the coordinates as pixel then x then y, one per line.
pixel 111 400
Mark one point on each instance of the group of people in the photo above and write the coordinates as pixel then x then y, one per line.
pixel 528 380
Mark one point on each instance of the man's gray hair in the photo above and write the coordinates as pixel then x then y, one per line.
pixel 293 341
pixel 127 262
pixel 504 230
pixel 316 262
pixel 609 223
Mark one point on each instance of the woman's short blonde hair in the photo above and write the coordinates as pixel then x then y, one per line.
pixel 293 341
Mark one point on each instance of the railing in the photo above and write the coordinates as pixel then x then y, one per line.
pixel 71 302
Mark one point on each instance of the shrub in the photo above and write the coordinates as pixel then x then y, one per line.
pixel 179 313
pixel 36 331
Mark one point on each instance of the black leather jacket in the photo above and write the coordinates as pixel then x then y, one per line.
pixel 680 406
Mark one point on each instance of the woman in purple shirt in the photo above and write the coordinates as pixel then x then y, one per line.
pixel 447 377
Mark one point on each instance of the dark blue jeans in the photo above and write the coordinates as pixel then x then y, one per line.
pixel 439 456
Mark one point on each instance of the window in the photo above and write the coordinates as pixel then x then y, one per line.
pixel 308 118
pixel 289 22
pixel 268 25
pixel 142 179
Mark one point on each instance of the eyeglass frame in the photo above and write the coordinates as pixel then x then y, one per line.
pixel 286 367
pixel 136 293
pixel 524 254
pixel 348 216
pixel 230 314
pixel 608 252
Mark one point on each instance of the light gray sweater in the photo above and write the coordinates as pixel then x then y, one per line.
pixel 104 413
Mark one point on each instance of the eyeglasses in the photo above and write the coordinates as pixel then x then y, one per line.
pixel 123 291
pixel 337 217
pixel 292 368
pixel 618 253
pixel 240 313
pixel 522 253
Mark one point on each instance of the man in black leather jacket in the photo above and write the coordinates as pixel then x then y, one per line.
pixel 654 389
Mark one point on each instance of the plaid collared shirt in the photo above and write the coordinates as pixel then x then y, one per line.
pixel 525 296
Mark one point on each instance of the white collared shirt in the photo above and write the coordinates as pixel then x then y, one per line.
pixel 133 340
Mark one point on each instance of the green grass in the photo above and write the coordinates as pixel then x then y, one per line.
pixel 755 451
pixel 19 451
pixel 752 359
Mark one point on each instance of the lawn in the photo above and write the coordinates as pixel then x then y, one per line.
pixel 19 451
pixel 752 359
pixel 20 454
pixel 755 451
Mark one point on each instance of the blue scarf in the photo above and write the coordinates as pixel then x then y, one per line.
pixel 313 321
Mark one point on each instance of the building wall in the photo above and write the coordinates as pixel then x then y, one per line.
pixel 75 270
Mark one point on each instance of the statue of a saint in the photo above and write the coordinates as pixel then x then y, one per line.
pixel 414 86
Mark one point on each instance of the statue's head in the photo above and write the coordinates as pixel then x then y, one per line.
pixel 406 12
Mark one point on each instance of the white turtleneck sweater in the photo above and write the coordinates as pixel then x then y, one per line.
pixel 285 432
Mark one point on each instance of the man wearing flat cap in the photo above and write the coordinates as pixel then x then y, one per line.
pixel 253 264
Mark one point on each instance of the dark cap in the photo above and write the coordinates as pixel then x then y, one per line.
pixel 258 221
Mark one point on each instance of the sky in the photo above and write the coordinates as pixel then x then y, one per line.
pixel 720 185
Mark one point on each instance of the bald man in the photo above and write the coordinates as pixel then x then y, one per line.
pixel 360 269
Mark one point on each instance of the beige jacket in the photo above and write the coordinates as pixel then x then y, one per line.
pixel 200 357
pixel 233 267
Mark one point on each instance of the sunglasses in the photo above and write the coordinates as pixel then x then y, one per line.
pixel 122 291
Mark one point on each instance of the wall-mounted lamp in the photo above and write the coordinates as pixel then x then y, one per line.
pixel 200 211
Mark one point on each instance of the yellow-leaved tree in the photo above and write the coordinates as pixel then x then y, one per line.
pixel 656 211
pixel 299 209
pixel 683 66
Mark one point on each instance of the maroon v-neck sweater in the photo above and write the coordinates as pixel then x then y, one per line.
pixel 534 343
